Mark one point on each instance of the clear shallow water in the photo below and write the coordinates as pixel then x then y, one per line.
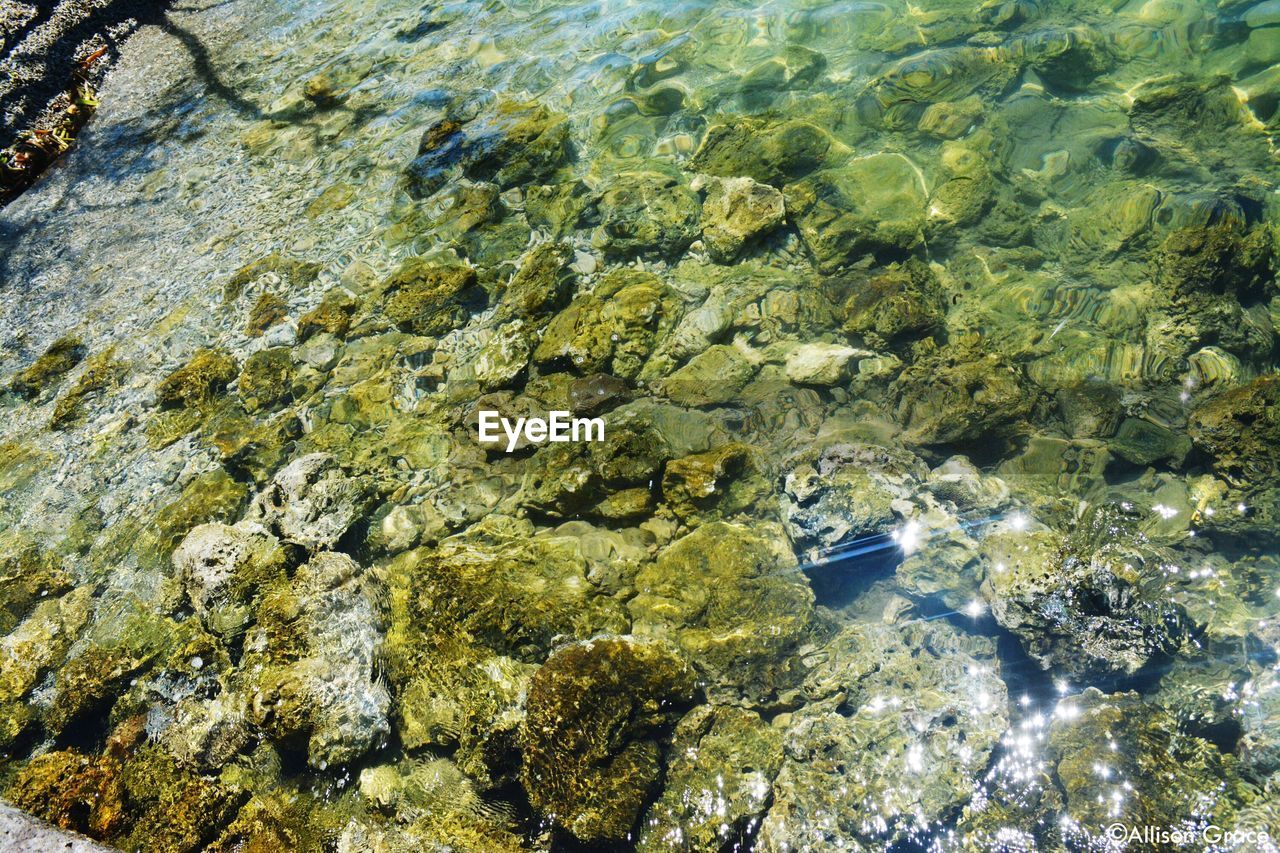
pixel 938 510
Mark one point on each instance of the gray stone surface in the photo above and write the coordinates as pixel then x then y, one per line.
pixel 20 831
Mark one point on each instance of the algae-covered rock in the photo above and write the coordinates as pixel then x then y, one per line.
pixel 1210 283
pixel 870 204
pixel 278 267
pixel 205 375
pixel 595 709
pixel 47 371
pixel 212 496
pixel 735 212
pixel 519 143
pixel 901 719
pixel 557 209
pixel 1238 431
pixel 1089 605
pixel 429 299
pixel 267 379
pixel 566 478
pixel 960 393
pixel 611 330
pixel 498 586
pixel 312 502
pixel 718 781
pixel 312 661
pixel 1120 760
pixel 267 310
pixel 730 597
pixel 82 793
pixel 541 283
pixel 838 492
pixel 30 651
pixel 646 214
pixel 332 315
pixel 902 302
pixel 223 567
pixel 717 484
pixel 173 808
pixel 771 151
pixel 101 372
pixel 711 377
pixel 27 575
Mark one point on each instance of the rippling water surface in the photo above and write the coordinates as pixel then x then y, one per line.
pixel 938 505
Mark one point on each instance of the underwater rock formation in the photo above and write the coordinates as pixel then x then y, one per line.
pixel 594 709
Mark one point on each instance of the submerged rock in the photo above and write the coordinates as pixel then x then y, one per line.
pixel 48 370
pixel 222 568
pixel 429 299
pixel 731 599
pixel 206 375
pixel 898 304
pixel 845 490
pixel 1119 759
pixel 1090 605
pixel 519 143
pixel 646 214
pixel 312 658
pixel 899 722
pixel 311 502
pixel 770 151
pixel 718 782
pixel 1239 431
pixel 960 393
pixel 735 212
pixel 595 709
pixel 612 330
pixel 870 204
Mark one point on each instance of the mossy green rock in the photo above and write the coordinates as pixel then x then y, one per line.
pixel 222 568
pixel 500 587
pixel 212 496
pixel 771 151
pixel 101 373
pixel 564 479
pixel 27 575
pixel 294 272
pixel 595 709
pixel 1087 606
pixel 902 302
pixel 870 204
pixel 899 720
pixel 205 376
pixel 736 212
pixel 730 597
pixel 429 299
pixel 612 330
pixel 540 285
pixel 1162 776
pixel 47 370
pixel 714 376
pixel 646 214
pixel 717 484
pixel 332 315
pixel 718 783
pixel 266 379
pixel 959 394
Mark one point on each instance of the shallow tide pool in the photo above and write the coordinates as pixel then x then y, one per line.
pixel 937 505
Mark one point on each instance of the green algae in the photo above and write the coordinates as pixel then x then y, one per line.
pixel 970 310
pixel 101 373
pixel 47 370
